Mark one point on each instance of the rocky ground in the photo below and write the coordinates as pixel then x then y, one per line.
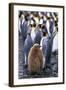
pixel 49 72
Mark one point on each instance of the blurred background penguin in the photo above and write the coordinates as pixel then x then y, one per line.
pixel 27 45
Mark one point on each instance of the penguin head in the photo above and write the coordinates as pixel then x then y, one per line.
pixel 22 16
pixel 43 26
pixel 36 45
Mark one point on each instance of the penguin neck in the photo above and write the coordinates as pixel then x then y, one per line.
pixel 36 19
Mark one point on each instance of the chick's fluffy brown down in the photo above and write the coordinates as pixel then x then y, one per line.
pixel 35 60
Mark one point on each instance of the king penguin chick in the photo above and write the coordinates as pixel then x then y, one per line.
pixel 35 59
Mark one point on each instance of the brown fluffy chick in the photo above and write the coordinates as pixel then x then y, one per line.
pixel 35 59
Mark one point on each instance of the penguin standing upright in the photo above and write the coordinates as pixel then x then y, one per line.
pixel 24 27
pixel 19 25
pixel 43 44
pixel 49 42
pixel 27 45
pixel 38 35
pixel 33 34
pixel 35 60
pixel 43 40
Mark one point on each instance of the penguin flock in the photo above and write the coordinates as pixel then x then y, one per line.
pixel 39 34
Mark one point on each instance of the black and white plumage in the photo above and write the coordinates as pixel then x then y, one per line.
pixel 27 45
pixel 47 43
pixel 55 43
pixel 38 36
pixel 33 34
pixel 24 29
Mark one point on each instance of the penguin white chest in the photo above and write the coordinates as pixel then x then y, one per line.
pixel 33 35
pixel 55 43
